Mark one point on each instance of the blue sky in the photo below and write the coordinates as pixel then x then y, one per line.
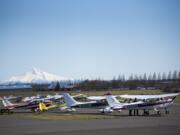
pixel 89 38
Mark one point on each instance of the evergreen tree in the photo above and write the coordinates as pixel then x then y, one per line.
pixel 159 77
pixel 136 77
pixel 140 77
pixel 154 77
pixel 175 75
pixel 169 75
pixel 123 78
pixel 131 77
pixel 144 77
pixel 178 76
pixel 150 77
pixel 57 88
pixel 120 78
pixel 164 76
pixel 114 78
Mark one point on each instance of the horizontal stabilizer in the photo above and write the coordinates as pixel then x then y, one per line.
pixel 7 103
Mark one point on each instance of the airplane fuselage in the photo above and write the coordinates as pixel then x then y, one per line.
pixel 145 105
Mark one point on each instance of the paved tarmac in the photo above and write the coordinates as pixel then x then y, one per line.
pixel 125 125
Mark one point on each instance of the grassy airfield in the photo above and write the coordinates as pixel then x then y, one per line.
pixel 56 115
pixel 89 93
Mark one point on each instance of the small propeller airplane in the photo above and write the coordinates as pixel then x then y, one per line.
pixel 72 103
pixel 146 103
pixel 32 105
pixel 61 106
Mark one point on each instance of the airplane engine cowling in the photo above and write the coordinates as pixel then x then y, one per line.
pixel 67 109
pixel 106 110
pixel 71 110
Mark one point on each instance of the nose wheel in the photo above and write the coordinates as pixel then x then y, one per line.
pixel 158 113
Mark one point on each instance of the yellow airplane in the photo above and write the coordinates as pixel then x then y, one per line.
pixel 43 107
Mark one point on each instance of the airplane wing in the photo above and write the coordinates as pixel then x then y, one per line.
pixel 141 97
pixel 96 97
pixel 127 105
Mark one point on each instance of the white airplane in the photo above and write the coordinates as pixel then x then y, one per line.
pixel 29 99
pixel 146 97
pixel 11 97
pixel 58 97
pixel 114 104
pixel 96 98
pixel 139 97
pixel 54 97
pixel 146 103
pixel 71 102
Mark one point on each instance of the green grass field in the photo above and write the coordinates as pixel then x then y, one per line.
pixel 89 93
pixel 120 92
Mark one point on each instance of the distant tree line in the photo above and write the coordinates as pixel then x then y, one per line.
pixel 168 82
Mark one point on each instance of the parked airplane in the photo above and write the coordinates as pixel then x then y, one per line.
pixel 54 97
pixel 146 103
pixel 14 98
pixel 33 105
pixel 62 107
pixel 96 98
pixel 146 97
pixel 31 98
pixel 71 102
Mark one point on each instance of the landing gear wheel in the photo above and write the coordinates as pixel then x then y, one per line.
pixel 158 113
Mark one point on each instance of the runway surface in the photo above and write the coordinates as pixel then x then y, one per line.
pixel 125 125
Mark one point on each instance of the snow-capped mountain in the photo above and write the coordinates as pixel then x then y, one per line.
pixel 35 76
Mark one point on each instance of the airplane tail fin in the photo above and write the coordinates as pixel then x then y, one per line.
pixel 42 106
pixel 7 103
pixel 69 100
pixel 112 100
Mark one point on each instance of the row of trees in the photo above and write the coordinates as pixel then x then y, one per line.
pixel 165 81
pixel 168 82
pixel 155 76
